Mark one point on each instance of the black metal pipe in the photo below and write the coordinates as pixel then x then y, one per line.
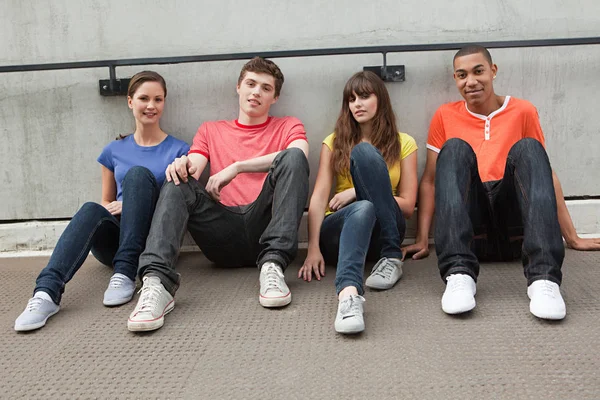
pixel 300 53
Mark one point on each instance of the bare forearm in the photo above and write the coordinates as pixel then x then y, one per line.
pixel 258 164
pixel 316 215
pixel 426 209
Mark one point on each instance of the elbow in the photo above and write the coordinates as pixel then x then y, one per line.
pixel 408 213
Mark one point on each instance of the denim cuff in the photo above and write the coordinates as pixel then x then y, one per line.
pixel 272 257
pixel 460 270
pixel 166 282
pixel 344 284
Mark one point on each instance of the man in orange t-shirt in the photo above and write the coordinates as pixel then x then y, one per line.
pixel 248 212
pixel 495 195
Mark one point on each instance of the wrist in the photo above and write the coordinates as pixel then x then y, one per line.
pixel 236 167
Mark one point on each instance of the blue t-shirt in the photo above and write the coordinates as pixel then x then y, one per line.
pixel 119 156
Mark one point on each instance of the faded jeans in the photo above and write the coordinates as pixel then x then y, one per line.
pixel 265 230
pixel 113 241
pixel 499 220
pixel 370 228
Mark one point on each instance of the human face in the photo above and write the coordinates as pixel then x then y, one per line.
pixel 474 78
pixel 256 95
pixel 147 103
pixel 364 107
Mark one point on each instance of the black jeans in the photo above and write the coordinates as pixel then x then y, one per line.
pixel 500 220
pixel 265 230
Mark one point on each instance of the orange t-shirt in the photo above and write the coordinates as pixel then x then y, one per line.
pixel 225 142
pixel 491 136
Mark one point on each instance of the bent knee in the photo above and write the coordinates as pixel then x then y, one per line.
pixel 528 145
pixel 92 209
pixel 365 151
pixel 137 172
pixel 364 210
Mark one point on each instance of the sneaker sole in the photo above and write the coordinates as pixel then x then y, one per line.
pixel 150 325
pixel 32 327
pixel 461 310
pixel 555 316
pixel 117 302
pixel 274 302
pixel 350 330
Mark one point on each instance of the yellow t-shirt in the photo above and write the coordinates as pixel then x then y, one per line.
pixel 407 147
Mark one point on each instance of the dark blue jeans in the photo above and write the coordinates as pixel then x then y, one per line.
pixel 499 220
pixel 370 228
pixel 265 230
pixel 112 241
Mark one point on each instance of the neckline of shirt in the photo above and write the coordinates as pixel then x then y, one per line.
pixel 492 115
pixel 240 125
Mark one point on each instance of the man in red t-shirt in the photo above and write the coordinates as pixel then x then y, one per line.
pixel 248 212
pixel 495 195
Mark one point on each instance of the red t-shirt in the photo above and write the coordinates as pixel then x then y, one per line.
pixel 225 142
pixel 491 136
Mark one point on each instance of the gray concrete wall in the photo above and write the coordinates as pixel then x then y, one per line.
pixel 54 124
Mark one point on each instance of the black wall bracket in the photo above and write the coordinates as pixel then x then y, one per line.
pixel 119 87
pixel 113 86
pixel 388 73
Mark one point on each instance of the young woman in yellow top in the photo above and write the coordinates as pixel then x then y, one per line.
pixel 375 170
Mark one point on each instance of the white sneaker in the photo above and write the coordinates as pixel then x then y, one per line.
pixel 385 273
pixel 459 296
pixel 36 314
pixel 120 290
pixel 349 317
pixel 273 290
pixel 152 306
pixel 546 300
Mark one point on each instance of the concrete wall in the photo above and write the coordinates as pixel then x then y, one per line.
pixel 54 124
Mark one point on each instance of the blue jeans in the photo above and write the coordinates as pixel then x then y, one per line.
pixel 498 220
pixel 265 230
pixel 370 228
pixel 112 241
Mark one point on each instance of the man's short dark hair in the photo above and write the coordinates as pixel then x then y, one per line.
pixel 261 65
pixel 474 49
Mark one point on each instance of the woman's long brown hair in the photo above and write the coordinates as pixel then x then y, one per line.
pixel 384 134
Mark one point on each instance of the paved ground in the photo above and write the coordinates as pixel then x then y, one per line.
pixel 219 343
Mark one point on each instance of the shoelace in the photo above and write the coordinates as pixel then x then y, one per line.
pixel 149 297
pixel 458 283
pixel 384 268
pixel 350 305
pixel 272 279
pixel 116 282
pixel 34 303
pixel 547 289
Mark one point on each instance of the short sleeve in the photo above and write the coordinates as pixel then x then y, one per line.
pixel 200 142
pixel 294 131
pixel 408 145
pixel 533 129
pixel 106 158
pixel 184 149
pixel 437 134
pixel 328 141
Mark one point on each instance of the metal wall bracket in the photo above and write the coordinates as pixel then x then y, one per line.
pixel 388 73
pixel 113 86
pixel 119 87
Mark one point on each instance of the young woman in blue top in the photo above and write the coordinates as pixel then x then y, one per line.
pixel 375 170
pixel 133 170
